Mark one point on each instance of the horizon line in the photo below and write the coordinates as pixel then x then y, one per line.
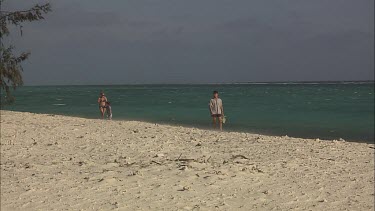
pixel 216 83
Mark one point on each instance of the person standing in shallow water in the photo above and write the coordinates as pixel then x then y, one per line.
pixel 216 110
pixel 102 101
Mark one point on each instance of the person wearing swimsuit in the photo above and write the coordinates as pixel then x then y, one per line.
pixel 102 100
pixel 216 110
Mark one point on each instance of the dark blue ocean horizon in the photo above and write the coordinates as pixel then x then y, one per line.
pixel 327 110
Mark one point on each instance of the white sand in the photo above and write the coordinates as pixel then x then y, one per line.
pixel 65 163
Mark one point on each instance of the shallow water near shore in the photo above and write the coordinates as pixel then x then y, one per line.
pixel 325 111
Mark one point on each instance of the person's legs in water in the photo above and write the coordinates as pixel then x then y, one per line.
pixel 217 119
pixel 214 121
pixel 102 111
pixel 221 122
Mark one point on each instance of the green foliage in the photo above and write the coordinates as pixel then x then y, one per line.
pixel 10 64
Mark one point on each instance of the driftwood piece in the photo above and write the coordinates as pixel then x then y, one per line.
pixel 186 159
pixel 239 156
pixel 156 162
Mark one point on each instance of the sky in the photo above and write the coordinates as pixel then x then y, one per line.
pixel 197 41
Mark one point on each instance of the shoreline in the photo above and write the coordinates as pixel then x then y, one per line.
pixel 208 128
pixel 54 162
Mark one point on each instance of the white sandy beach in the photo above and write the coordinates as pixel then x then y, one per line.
pixel 51 162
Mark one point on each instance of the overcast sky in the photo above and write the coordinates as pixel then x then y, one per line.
pixel 197 41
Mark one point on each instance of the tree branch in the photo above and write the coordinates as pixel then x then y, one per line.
pixel 17 17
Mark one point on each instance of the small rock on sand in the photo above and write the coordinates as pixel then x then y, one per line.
pixel 160 155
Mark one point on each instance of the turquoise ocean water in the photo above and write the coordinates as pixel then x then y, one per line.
pixel 326 111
